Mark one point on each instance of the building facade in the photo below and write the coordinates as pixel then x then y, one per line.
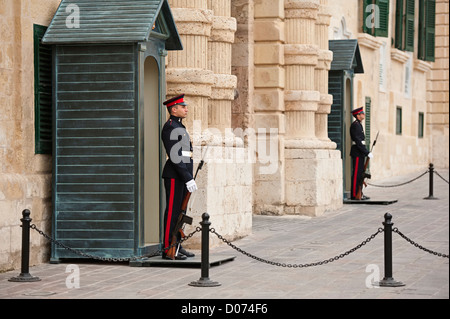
pixel 256 77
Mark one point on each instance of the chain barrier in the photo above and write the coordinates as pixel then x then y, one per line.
pixel 108 259
pixel 441 177
pixel 223 239
pixel 397 185
pixel 326 261
pixel 212 230
pixel 395 230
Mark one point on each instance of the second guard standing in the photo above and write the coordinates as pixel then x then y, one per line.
pixel 358 151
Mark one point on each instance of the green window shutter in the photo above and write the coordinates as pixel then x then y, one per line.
pixel 42 92
pixel 367 27
pixel 427 20
pixel 409 25
pixel 421 53
pixel 383 30
pixel 399 25
pixel 430 30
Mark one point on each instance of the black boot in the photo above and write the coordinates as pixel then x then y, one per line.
pixel 186 253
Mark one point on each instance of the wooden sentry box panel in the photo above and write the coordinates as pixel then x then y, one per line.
pixel 95 148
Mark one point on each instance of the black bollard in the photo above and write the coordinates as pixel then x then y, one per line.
pixel 431 183
pixel 204 280
pixel 388 280
pixel 25 275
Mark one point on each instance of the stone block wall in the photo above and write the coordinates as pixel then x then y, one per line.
pixel 25 177
pixel 438 96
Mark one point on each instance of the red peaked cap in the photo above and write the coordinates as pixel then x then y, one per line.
pixel 175 100
pixel 358 111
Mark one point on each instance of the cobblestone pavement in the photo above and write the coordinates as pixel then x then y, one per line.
pixel 289 240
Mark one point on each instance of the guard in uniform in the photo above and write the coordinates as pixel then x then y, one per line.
pixel 358 151
pixel 178 170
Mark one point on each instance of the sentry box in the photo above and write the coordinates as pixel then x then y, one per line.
pixel 108 87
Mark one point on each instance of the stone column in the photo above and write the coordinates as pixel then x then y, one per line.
pixel 243 65
pixel 269 81
pixel 187 70
pixel 313 167
pixel 219 61
pixel 301 58
pixel 322 69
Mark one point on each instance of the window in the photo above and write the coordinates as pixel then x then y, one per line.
pixel 376 17
pixel 421 124
pixel 404 25
pixel 398 126
pixel 427 21
pixel 42 92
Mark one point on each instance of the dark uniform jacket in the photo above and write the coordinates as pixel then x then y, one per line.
pixel 357 134
pixel 177 143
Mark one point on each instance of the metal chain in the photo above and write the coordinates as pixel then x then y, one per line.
pixel 78 252
pixel 387 186
pixel 326 261
pixel 395 230
pixel 441 177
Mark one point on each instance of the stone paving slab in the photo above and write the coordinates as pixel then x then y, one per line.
pixel 294 240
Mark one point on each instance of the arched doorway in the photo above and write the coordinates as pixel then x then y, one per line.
pixel 152 178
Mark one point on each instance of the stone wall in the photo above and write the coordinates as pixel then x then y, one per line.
pixel 438 84
pixel 25 178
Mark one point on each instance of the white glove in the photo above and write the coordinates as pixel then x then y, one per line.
pixel 370 155
pixel 191 186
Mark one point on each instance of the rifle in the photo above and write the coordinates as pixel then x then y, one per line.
pixel 182 219
pixel 366 173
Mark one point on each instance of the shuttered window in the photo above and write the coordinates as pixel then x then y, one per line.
pixel 427 21
pixel 399 24
pixel 409 25
pixel 383 30
pixel 376 17
pixel 42 92
pixel 404 25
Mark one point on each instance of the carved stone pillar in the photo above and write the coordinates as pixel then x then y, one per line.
pixel 243 65
pixel 269 81
pixel 313 166
pixel 322 69
pixel 301 57
pixel 187 70
pixel 219 61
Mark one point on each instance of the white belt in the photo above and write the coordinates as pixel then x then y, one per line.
pixel 186 154
pixel 363 143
